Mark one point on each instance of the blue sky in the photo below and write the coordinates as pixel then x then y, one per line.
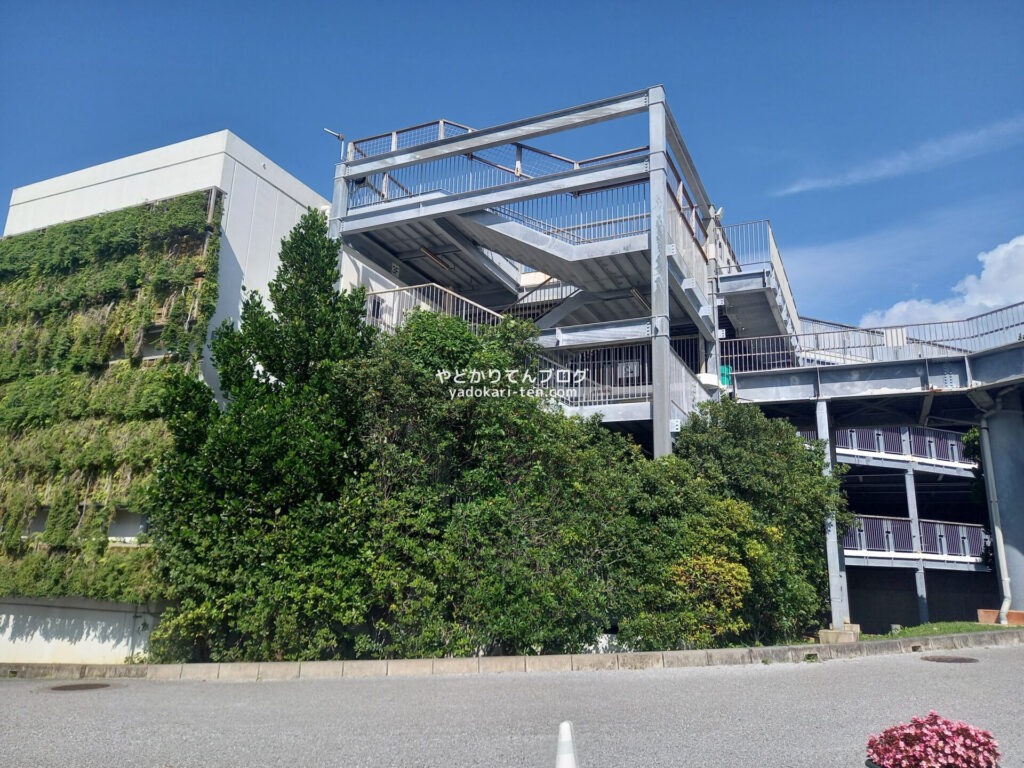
pixel 885 141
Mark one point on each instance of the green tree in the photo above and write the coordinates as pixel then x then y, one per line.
pixel 345 502
pixel 764 463
pixel 494 523
pixel 246 521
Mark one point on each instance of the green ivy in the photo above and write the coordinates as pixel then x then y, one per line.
pixel 80 412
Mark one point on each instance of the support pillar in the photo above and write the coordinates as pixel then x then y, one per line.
pixel 837 592
pixel 1002 460
pixel 660 348
pixel 915 535
pixel 339 200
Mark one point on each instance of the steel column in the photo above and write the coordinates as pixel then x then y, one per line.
pixel 660 347
pixel 339 202
pixel 915 536
pixel 1002 446
pixel 837 592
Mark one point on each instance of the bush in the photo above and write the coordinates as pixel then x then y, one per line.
pixel 345 504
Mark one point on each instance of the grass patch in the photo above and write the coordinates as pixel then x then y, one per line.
pixel 938 628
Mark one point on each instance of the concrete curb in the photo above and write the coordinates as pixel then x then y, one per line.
pixel 251 672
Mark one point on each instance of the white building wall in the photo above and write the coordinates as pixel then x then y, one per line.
pixel 357 270
pixel 72 630
pixel 262 202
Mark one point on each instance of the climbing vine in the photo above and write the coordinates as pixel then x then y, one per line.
pixel 95 315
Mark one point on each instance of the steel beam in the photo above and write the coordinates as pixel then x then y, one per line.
pixel 689 170
pixel 612 412
pixel 848 380
pixel 857 559
pixel 890 461
pixel 506 133
pixel 621 171
pixel 618 331
pixel 469 249
pixel 380 255
pixel 562 310
pixel 926 407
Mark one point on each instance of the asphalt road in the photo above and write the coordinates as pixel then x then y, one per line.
pixel 779 716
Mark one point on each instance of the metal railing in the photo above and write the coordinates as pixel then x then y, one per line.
pixel 919 442
pixel 585 217
pixel 679 191
pixel 687 247
pixel 872 533
pixel 884 344
pixel 751 247
pixel 691 350
pixel 607 375
pixel 590 377
pixel 576 218
pixel 404 138
pixel 388 310
pixel 551 290
pixel 685 390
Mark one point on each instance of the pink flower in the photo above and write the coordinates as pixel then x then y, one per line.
pixel 933 742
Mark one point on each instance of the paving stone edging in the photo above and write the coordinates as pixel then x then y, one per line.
pixel 321 670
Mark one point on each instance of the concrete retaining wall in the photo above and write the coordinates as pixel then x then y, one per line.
pixel 320 670
pixel 72 630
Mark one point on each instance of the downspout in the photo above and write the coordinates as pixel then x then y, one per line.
pixel 993 511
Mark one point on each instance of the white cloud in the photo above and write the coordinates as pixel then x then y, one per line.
pixel 1000 282
pixel 933 153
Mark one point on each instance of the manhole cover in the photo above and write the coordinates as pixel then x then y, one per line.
pixel 79 687
pixel 950 659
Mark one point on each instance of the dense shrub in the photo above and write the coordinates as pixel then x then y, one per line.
pixel 345 504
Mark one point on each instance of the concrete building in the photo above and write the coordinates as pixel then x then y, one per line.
pixel 655 305
pixel 261 203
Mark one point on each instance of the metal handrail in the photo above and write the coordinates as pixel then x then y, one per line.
pixel 877 533
pixel 440 288
pixel 362 145
pixel 388 309
pixel 688 248
pixel 949 338
pixel 919 442
pixel 752 246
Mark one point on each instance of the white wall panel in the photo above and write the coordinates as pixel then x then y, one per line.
pixel 72 630
pixel 355 270
pixel 262 203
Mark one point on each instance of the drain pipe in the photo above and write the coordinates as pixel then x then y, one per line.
pixel 993 511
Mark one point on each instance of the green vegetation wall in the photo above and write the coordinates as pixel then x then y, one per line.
pixel 94 317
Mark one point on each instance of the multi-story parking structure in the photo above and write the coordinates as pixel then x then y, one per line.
pixel 624 263
pixel 638 287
